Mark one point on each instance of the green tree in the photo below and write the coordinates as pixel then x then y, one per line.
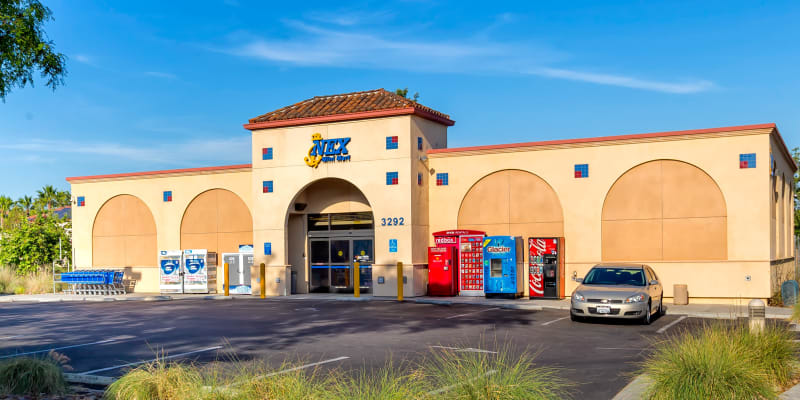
pixel 404 93
pixel 25 47
pixel 34 244
pixel 26 204
pixel 5 207
pixel 63 198
pixel 48 196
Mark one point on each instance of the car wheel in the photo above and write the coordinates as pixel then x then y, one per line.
pixel 648 315
pixel 660 311
pixel 574 317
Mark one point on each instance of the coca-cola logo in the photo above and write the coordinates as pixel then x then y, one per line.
pixel 498 249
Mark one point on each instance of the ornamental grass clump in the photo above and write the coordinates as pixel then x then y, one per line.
pixel 720 362
pixel 32 376
pixel 386 383
pixel 158 380
pixel 478 375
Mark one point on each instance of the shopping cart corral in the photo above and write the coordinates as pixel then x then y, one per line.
pixel 94 281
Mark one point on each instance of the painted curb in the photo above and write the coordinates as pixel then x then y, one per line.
pixel 635 389
pixel 157 298
pixel 437 302
pixel 522 307
pixel 89 379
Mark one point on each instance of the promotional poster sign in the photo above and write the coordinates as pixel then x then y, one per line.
pixel 239 266
pixel 538 248
pixel 195 272
pixel 169 263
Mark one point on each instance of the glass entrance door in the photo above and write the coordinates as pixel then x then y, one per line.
pixel 340 265
pixel 320 265
pixel 363 253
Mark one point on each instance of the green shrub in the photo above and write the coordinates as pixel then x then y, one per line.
pixel 293 385
pixel 19 290
pixel 720 363
pixel 31 376
pixel 157 380
pixel 453 374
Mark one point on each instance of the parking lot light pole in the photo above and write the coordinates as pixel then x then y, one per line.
pixel 356 280
pixel 399 281
pixel 262 277
pixel 226 281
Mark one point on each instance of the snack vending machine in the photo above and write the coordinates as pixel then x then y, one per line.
pixel 546 268
pixel 469 261
pixel 502 266
pixel 442 273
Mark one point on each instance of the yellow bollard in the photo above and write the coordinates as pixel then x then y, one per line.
pixel 227 282
pixel 262 277
pixel 356 280
pixel 399 281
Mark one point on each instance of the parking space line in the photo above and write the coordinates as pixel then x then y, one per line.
pixel 472 313
pixel 10 337
pixel 555 320
pixel 305 366
pixel 465 350
pixel 59 348
pixel 671 324
pixel 94 371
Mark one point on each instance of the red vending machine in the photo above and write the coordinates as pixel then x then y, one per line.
pixel 442 273
pixel 546 268
pixel 469 247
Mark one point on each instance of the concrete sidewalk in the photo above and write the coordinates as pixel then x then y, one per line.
pixel 717 311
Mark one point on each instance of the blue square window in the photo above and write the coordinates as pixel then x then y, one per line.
pixel 581 170
pixel 419 178
pixel 167 195
pixel 266 153
pixel 747 160
pixel 391 142
pixel 392 178
pixel 267 187
pixel 419 143
pixel 81 201
pixel 442 179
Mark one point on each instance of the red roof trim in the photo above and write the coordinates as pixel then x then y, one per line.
pixel 349 117
pixel 162 172
pixel 604 138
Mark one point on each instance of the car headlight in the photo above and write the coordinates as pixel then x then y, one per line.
pixel 579 297
pixel 635 298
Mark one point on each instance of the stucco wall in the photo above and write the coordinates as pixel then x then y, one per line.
pixel 748 211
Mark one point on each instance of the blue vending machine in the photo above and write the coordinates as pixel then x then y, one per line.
pixel 502 266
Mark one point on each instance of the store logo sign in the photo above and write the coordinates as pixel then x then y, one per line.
pixel 327 150
pixel 498 249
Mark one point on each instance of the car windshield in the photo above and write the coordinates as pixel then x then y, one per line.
pixel 615 276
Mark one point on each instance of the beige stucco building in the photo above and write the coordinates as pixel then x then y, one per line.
pixel 368 177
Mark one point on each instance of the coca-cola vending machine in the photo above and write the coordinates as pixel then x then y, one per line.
pixel 546 268
pixel 469 247
pixel 442 274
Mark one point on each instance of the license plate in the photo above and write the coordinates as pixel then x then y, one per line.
pixel 603 309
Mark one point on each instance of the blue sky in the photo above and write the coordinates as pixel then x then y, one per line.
pixel 159 85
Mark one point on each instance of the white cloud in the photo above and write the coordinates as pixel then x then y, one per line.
pixel 84 59
pixel 165 75
pixel 313 46
pixel 624 81
pixel 191 152
pixel 350 18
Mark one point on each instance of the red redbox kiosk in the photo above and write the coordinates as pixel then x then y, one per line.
pixel 469 247
pixel 546 268
pixel 442 275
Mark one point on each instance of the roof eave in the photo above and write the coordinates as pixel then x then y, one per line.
pixel 73 179
pixel 349 117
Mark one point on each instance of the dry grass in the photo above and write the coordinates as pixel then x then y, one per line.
pixel 35 283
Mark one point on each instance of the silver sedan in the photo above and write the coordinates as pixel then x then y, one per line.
pixel 618 291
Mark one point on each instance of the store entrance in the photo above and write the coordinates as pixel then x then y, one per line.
pixel 335 242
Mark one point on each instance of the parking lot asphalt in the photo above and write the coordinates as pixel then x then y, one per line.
pixel 105 338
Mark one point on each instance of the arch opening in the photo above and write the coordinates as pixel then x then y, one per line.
pixel 664 210
pixel 124 234
pixel 330 226
pixel 217 220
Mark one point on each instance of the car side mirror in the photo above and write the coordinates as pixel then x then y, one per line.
pixel 653 282
pixel 579 280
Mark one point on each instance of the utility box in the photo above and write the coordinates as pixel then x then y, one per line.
pixel 680 296
pixel 789 292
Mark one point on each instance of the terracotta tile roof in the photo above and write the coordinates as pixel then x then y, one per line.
pixel 347 106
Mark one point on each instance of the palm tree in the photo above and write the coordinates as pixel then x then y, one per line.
pixel 48 195
pixel 5 206
pixel 26 204
pixel 63 198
